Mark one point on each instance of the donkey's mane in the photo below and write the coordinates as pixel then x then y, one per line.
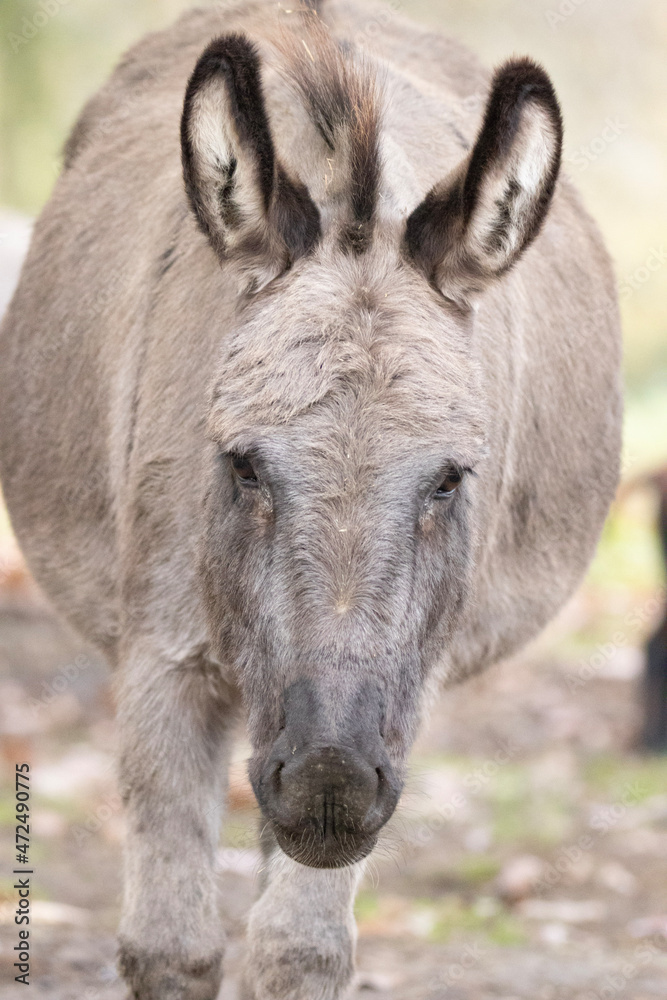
pixel 340 92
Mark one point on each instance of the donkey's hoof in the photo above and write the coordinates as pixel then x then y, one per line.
pixel 159 976
pixel 297 974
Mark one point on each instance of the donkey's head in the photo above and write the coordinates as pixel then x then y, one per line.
pixel 342 512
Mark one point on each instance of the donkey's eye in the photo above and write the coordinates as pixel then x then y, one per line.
pixel 449 485
pixel 244 471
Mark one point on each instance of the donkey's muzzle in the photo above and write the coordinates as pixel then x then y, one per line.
pixel 327 804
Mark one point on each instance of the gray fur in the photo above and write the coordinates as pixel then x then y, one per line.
pixel 135 355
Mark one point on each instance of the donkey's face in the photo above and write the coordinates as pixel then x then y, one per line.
pixel 341 512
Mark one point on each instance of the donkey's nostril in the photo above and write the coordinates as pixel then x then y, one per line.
pixel 275 777
pixel 383 802
pixel 383 785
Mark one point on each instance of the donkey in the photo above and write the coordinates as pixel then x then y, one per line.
pixel 310 405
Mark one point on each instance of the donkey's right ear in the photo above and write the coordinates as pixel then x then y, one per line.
pixel 474 226
pixel 251 211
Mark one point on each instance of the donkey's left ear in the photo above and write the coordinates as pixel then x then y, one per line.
pixel 474 226
pixel 254 215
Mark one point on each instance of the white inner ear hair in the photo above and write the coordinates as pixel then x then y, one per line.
pixel 510 191
pixel 209 132
pixel 214 138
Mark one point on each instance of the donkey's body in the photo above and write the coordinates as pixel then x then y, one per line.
pixel 115 354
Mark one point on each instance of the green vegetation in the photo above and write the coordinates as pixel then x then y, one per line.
pixel 477 868
pixel 53 56
pixel 635 778
pixel 366 905
pixel 441 919
pixel 240 830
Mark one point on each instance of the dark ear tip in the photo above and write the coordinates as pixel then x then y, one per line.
pixel 232 48
pixel 233 53
pixel 521 79
pixel 227 55
pixel 522 69
pixel 234 59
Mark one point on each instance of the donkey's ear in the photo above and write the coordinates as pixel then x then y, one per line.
pixel 471 228
pixel 251 211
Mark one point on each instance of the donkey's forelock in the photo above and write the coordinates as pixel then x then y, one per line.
pixel 363 328
pixel 342 95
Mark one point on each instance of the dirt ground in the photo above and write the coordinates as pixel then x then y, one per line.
pixel 528 860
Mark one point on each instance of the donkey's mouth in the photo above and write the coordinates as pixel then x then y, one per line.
pixel 327 805
pixel 311 847
pixel 326 794
pixel 330 833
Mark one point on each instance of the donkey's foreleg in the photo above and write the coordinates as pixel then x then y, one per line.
pixel 174 725
pixel 302 934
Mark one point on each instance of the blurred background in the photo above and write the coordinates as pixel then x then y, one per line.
pixel 550 880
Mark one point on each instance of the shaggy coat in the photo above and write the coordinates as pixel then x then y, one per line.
pixel 310 401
